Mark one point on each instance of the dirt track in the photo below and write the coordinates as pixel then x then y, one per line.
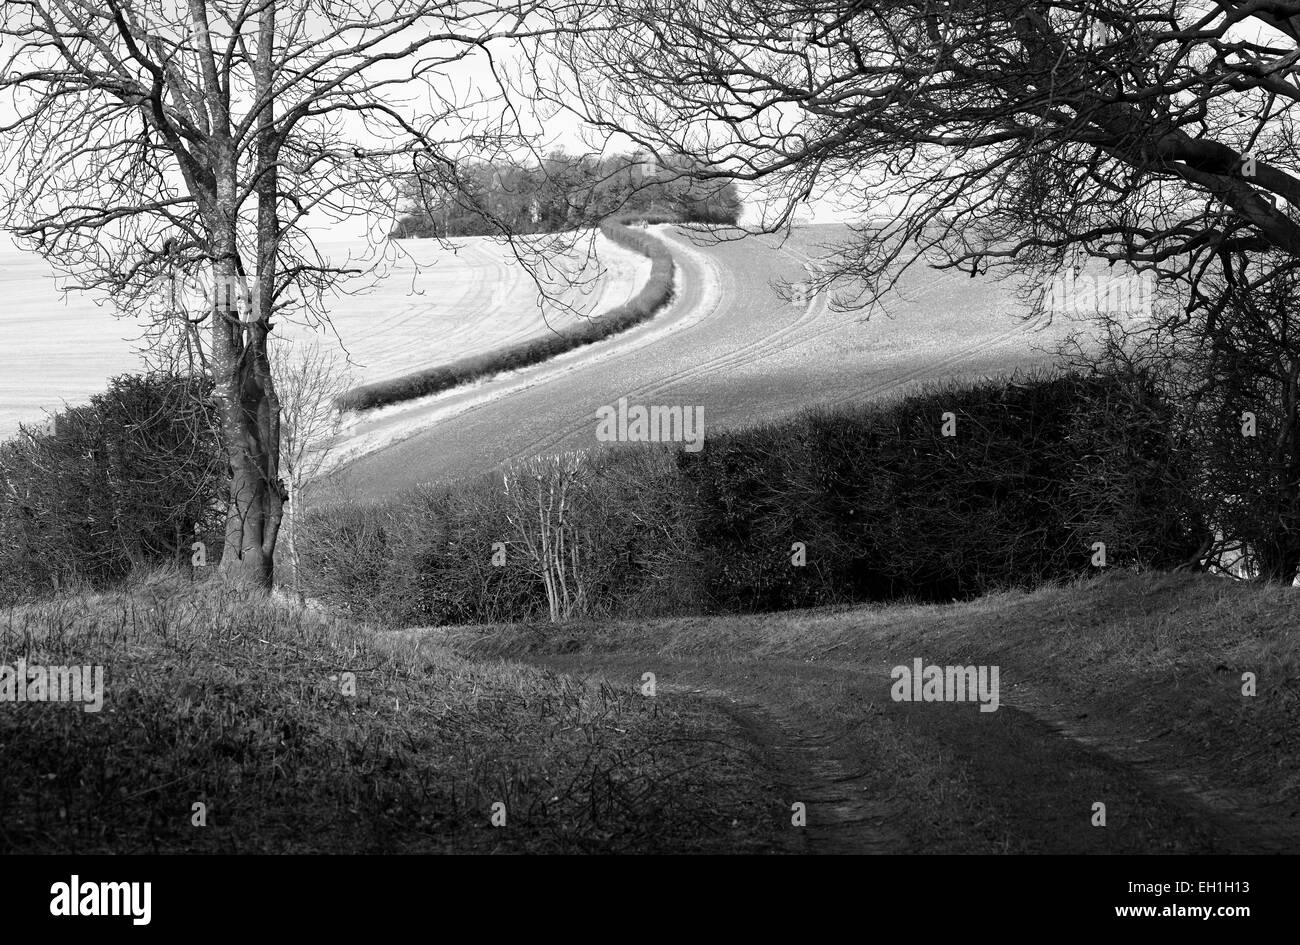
pixel 728 342
pixel 1016 780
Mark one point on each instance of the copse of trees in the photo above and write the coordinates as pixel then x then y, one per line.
pixel 561 192
pixel 558 194
pixel 129 481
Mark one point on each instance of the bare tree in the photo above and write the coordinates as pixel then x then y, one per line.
pixel 1234 397
pixel 1012 138
pixel 1012 135
pixel 156 143
pixel 544 498
pixel 309 379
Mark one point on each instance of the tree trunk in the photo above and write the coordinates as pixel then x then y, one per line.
pixel 250 406
pixel 291 528
pixel 250 410
pixel 250 424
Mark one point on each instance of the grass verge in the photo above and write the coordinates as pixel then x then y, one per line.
pixel 214 697
pixel 1143 671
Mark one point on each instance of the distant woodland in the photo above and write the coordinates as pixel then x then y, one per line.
pixel 560 192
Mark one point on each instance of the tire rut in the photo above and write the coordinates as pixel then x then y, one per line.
pixel 1248 827
pixel 841 817
pixel 1039 770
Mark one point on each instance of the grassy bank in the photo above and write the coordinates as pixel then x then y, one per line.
pixel 237 703
pixel 1144 674
pixel 651 297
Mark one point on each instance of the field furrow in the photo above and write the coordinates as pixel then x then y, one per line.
pixel 731 342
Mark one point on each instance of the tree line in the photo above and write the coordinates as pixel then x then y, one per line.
pixel 950 492
pixel 561 192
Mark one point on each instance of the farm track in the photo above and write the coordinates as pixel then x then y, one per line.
pixel 755 350
pixel 727 343
pixel 841 817
pixel 506 392
pixel 1031 777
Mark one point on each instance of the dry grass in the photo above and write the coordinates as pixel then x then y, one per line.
pixel 234 701
pixel 1151 659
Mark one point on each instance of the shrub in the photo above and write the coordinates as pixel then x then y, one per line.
pixel 1038 472
pixel 888 507
pixel 885 505
pixel 427 556
pixel 125 482
pixel 424 558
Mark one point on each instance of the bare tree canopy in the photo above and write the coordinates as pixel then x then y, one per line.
pixel 309 379
pixel 151 144
pixel 978 134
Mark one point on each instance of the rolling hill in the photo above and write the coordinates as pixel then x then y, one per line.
pixel 426 305
pixel 433 305
pixel 730 342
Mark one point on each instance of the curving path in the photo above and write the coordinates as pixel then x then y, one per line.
pixel 728 342
pixel 1026 777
